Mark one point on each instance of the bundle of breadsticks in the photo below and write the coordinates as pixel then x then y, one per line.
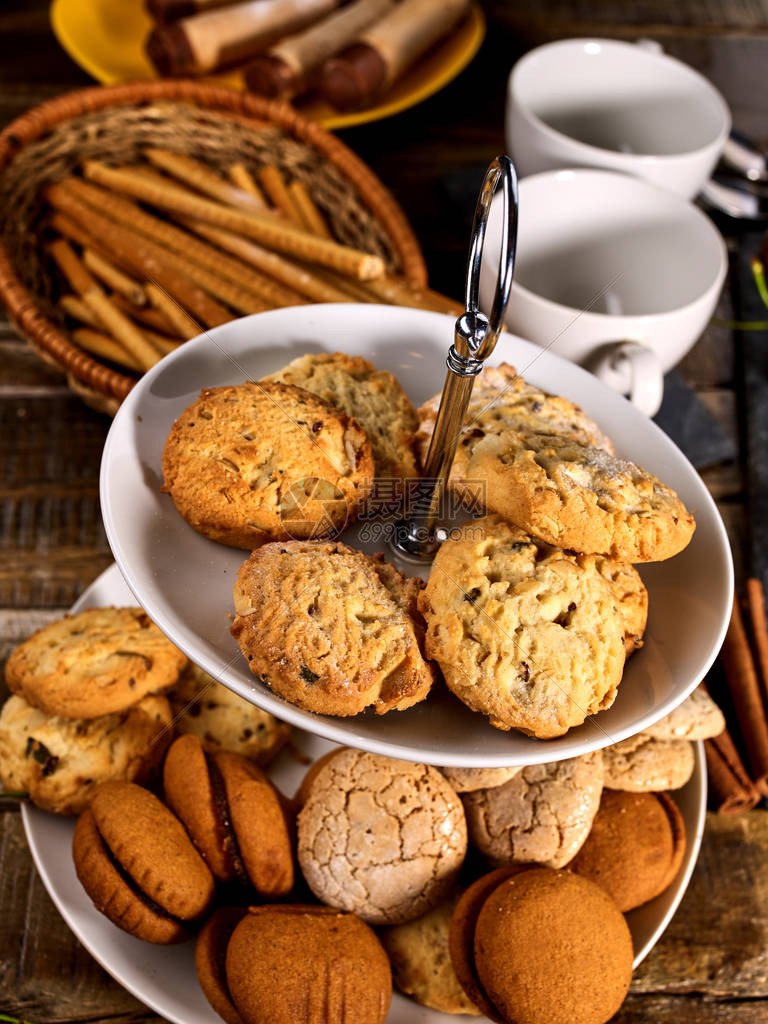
pixel 348 53
pixel 154 253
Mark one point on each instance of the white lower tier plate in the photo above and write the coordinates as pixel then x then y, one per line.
pixel 164 977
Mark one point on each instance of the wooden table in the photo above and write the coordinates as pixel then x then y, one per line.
pixel 712 964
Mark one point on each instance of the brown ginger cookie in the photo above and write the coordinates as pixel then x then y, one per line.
pixel 330 629
pixel 210 960
pixel 291 964
pixel 223 720
pixel 94 663
pixel 635 847
pixel 528 634
pixel 579 497
pixel 151 846
pixel 254 462
pixel 501 400
pixel 373 397
pixel 59 762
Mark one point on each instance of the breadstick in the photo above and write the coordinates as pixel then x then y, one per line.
pixel 304 281
pixel 137 256
pixel 162 301
pixel 165 345
pixel 116 279
pixel 382 52
pixel 274 185
pixel 100 344
pixel 77 309
pixel 283 237
pixel 242 178
pixel 305 206
pixel 283 71
pixel 171 10
pixel 91 293
pixel 147 317
pixel 397 292
pixel 214 39
pixel 160 231
pixel 203 179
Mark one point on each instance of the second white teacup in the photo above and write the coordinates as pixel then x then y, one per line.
pixel 613 273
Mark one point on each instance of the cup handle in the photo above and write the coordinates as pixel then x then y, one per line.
pixel 635 371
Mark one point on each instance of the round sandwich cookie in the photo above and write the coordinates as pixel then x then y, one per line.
pixel 421 961
pixel 643 764
pixel 292 964
pixel 223 720
pixel 380 837
pixel 372 397
pixel 138 865
pixel 578 497
pixel 255 462
pixel 635 847
pixel 501 400
pixel 94 663
pixel 542 947
pixel 237 819
pixel 525 633
pixel 543 815
pixel 330 629
pixel 211 958
pixel 59 762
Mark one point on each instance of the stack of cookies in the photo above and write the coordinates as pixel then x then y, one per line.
pixel 530 611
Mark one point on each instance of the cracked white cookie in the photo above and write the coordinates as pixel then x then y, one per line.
pixel 61 761
pixel 380 837
pixel 373 397
pixel 421 961
pixel 642 764
pixel 697 718
pixel 501 400
pixel 330 629
pixel 578 497
pixel 223 720
pixel 254 462
pixel 93 663
pixel 466 780
pixel 541 816
pixel 527 634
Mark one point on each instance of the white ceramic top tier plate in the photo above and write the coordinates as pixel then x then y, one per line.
pixel 185 581
pixel 164 977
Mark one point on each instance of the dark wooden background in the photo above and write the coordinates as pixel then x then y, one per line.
pixel 712 964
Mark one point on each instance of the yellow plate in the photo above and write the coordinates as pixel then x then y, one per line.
pixel 106 38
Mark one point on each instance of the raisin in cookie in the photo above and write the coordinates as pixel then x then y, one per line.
pixel 578 497
pixel 373 397
pixel 94 663
pixel 501 400
pixel 59 762
pixel 541 816
pixel 330 629
pixel 254 462
pixel 525 633
pixel 224 721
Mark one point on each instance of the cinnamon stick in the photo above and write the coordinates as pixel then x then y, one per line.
pixel 283 237
pixel 744 688
pixel 732 788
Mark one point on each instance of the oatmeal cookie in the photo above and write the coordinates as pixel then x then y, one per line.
pixel 373 397
pixel 254 462
pixel 525 633
pixel 94 663
pixel 578 497
pixel 59 762
pixel 330 629
pixel 631 597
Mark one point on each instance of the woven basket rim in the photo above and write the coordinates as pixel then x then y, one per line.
pixel 33 124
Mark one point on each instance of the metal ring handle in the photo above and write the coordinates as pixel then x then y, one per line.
pixel 501 170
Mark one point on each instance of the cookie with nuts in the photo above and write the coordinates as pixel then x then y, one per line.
pixel 526 633
pixel 330 629
pixel 254 462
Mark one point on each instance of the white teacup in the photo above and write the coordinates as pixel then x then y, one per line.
pixel 612 272
pixel 604 103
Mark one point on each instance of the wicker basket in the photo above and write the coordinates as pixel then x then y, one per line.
pixel 216 125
